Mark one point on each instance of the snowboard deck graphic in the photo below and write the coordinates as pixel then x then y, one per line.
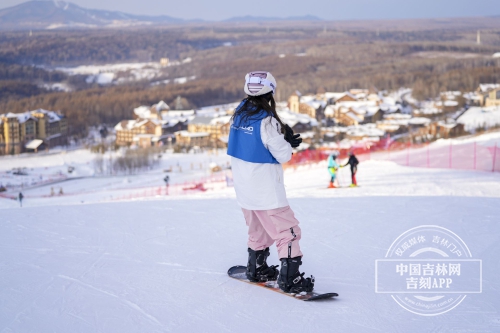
pixel 239 273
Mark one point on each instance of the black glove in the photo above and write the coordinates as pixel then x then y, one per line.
pixel 293 139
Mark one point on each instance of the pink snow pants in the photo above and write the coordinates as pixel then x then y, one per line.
pixel 276 225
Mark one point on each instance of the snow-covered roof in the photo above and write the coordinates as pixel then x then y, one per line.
pixel 389 101
pixel 172 118
pixel 450 103
pixel 220 120
pixel 397 116
pixel 217 110
pixel 473 96
pixel 313 101
pixel 419 121
pixel 373 97
pixel 25 116
pixel 148 112
pixel 354 104
pixel 486 87
pixel 366 110
pixel 388 127
pixel 51 115
pixel 330 111
pixel 346 94
pixel 451 94
pixel 448 123
pixel 292 118
pixel 427 111
pixel 192 134
pixel 389 108
pixel 394 120
pixel 480 117
pixel 316 104
pixel 161 106
pixel 177 113
pixel 11 115
pixel 367 130
pixel 34 144
pixel 142 112
pixel 130 124
pixel 335 129
pixel 201 120
pixel 334 95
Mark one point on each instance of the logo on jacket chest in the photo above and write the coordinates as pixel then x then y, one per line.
pixel 246 130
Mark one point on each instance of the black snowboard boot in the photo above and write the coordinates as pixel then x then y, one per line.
pixel 257 269
pixel 291 280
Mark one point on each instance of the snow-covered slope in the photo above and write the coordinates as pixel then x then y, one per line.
pixel 158 264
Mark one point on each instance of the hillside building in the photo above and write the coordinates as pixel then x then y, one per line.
pixel 493 98
pixel 206 132
pixel 489 94
pixel 129 131
pixel 310 105
pixel 18 131
pixel 152 125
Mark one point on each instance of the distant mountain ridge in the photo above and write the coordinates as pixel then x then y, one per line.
pixel 56 14
pixel 61 14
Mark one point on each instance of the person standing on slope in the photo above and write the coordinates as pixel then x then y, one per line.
pixel 353 162
pixel 258 144
pixel 333 166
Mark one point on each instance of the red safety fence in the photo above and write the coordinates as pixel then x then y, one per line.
pixel 464 156
pixel 216 181
pixel 192 187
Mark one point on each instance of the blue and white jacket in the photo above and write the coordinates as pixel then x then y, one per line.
pixel 257 149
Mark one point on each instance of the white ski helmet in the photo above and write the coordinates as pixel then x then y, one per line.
pixel 259 83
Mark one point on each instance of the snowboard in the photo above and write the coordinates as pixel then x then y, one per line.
pixel 239 273
pixel 337 187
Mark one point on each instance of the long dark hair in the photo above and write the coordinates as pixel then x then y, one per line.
pixel 253 105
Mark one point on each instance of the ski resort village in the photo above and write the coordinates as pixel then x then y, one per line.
pixel 352 117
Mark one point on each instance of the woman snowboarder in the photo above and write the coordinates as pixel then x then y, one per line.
pixel 258 144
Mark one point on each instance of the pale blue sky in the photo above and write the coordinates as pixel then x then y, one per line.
pixel 326 9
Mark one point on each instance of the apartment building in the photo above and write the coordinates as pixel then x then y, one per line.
pixel 18 130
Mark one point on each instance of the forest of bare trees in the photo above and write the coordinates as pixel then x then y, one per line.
pixel 307 59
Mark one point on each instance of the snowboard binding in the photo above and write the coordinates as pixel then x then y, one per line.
pixel 257 268
pixel 291 280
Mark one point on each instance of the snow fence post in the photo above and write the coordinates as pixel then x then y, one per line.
pixel 475 155
pixel 494 157
pixel 427 154
pixel 450 155
pixel 408 155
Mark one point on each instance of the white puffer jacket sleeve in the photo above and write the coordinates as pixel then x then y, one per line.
pixel 274 141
